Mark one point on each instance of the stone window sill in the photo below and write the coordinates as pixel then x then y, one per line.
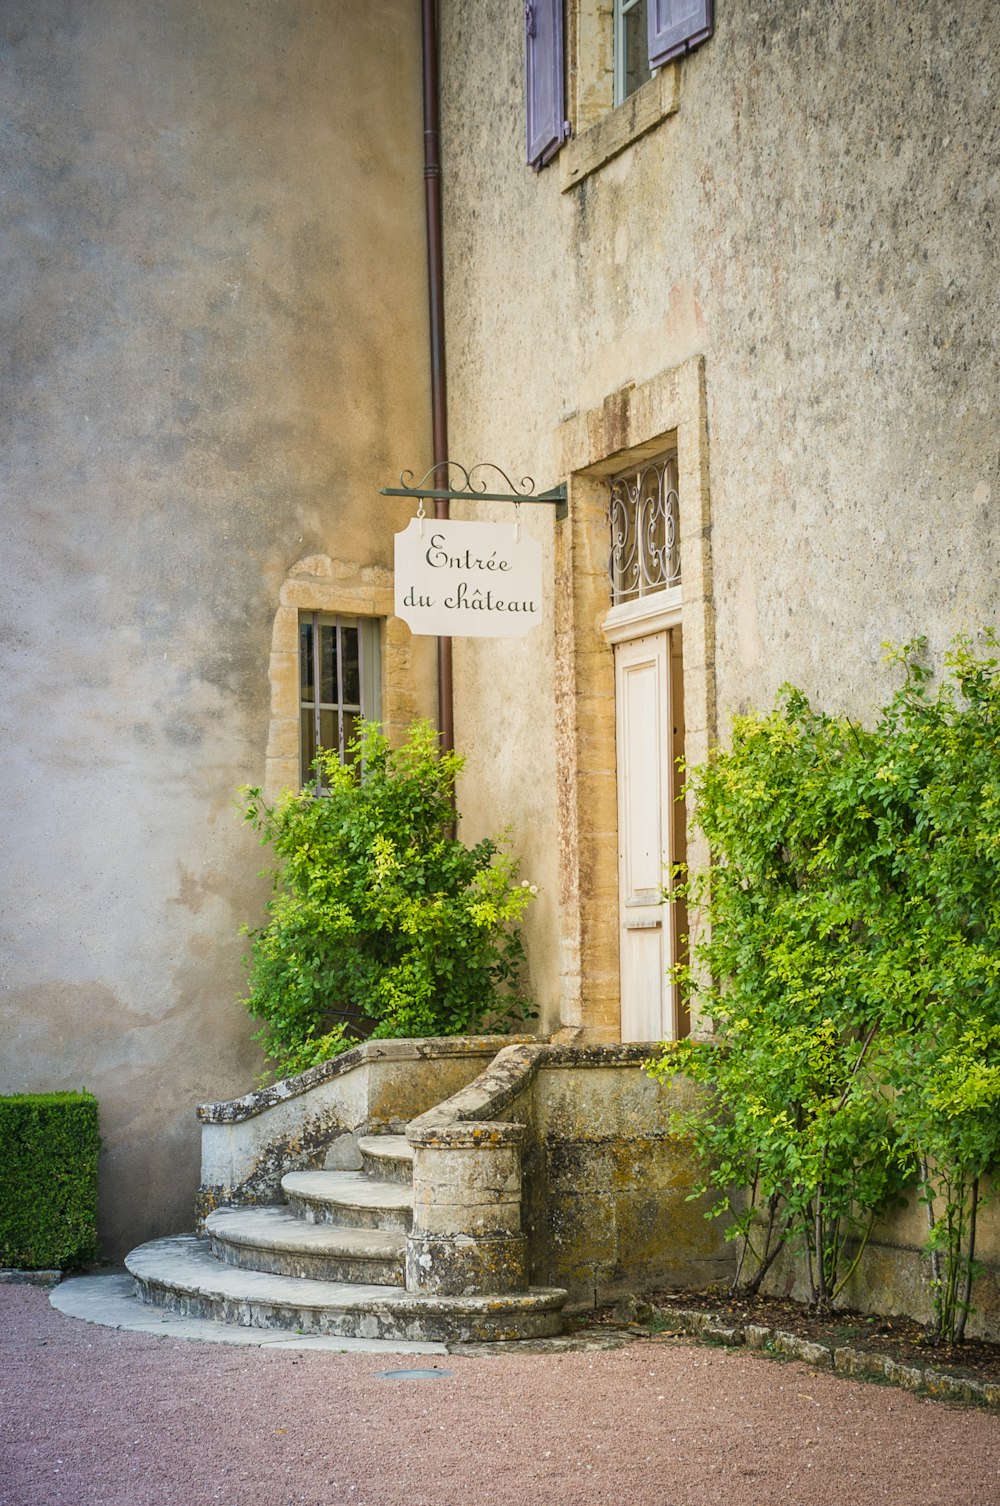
pixel 643 110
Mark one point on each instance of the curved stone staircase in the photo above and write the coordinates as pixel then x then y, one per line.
pixel 333 1261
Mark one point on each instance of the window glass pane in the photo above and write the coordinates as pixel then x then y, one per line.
pixel 352 678
pixel 350 728
pixel 328 664
pixel 305 660
pixel 651 533
pixel 349 681
pixel 308 745
pixel 371 669
pixel 636 49
pixel 328 730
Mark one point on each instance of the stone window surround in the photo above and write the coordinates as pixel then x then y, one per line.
pixel 320 584
pixel 633 424
pixel 602 129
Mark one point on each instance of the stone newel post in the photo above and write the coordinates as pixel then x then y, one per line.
pixel 466 1238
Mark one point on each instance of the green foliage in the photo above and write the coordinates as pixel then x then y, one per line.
pixel 852 971
pixel 48 1180
pixel 382 922
pixel 943 1062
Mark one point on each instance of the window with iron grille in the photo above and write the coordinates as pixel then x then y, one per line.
pixel 644 530
pixel 339 677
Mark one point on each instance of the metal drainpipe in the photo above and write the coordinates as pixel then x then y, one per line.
pixel 435 286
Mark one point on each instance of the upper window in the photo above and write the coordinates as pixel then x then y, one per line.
pixel 630 48
pixel 617 47
pixel 339 677
pixel 645 553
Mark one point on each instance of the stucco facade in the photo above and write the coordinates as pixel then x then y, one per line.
pixel 801 205
pixel 212 298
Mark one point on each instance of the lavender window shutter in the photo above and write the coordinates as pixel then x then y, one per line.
pixel 675 26
pixel 544 94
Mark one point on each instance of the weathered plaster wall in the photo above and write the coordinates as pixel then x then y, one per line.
pixel 606 1203
pixel 212 354
pixel 609 1207
pixel 815 221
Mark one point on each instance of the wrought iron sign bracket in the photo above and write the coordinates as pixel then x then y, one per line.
pixel 472 491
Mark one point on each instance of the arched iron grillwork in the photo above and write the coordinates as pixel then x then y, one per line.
pixel 644 527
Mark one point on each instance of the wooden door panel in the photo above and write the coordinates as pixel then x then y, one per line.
pixel 644 722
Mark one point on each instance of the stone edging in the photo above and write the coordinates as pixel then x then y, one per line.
pixel 842 1359
pixel 14 1276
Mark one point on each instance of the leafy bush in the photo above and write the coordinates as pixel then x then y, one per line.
pixel 852 974
pixel 942 767
pixel 382 922
pixel 48 1180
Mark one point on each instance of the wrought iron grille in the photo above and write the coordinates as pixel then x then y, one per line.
pixel 645 534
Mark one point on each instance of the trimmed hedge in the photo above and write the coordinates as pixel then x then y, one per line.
pixel 48 1180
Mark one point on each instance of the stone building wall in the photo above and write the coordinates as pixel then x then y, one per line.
pixel 212 298
pixel 809 215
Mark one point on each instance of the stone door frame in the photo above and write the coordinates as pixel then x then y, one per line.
pixel 633 424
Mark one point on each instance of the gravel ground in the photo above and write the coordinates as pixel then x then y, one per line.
pixel 92 1416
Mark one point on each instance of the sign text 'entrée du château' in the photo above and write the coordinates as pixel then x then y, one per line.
pixel 468 580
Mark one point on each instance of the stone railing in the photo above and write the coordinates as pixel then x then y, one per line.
pixel 315 1119
pixel 533 1162
pixel 591 1190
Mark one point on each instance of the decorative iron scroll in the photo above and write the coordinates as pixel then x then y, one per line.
pixel 473 486
pixel 644 526
pixel 523 489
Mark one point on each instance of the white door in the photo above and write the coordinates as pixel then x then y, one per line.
pixel 646 835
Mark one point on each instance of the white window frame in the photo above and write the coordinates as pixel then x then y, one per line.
pixel 619 49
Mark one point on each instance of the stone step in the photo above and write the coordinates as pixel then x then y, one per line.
pixel 274 1241
pixel 388 1158
pixel 349 1199
pixel 182 1276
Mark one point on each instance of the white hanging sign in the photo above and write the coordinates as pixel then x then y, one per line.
pixel 468 580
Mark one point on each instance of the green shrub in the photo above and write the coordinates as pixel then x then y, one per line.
pixel 48 1180
pixel 852 973
pixel 382 922
pixel 942 1058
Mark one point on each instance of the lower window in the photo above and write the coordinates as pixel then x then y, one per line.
pixel 339 678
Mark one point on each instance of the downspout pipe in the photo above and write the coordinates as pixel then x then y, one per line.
pixel 435 288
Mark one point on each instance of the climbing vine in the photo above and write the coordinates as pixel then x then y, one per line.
pixel 851 972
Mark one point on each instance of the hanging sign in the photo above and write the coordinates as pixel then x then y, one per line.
pixel 457 579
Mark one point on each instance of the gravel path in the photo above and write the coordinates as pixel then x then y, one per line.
pixel 92 1416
